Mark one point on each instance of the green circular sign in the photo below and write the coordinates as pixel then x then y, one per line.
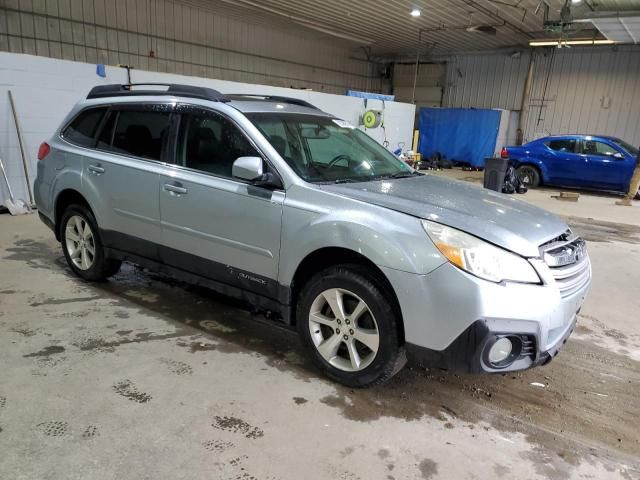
pixel 370 119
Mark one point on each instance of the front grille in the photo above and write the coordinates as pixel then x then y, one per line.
pixel 566 257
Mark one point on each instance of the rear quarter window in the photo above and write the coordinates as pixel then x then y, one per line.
pixel 82 129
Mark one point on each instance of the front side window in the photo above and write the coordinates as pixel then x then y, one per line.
pixel 567 145
pixel 139 133
pixel 593 147
pixel 626 146
pixel 83 128
pixel 210 143
pixel 323 149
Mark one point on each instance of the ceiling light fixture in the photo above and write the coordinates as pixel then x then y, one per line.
pixel 576 2
pixel 555 43
pixel 415 12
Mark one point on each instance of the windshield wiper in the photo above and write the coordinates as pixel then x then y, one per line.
pixel 406 174
pixel 346 180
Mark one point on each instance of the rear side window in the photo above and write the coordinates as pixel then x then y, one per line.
pixel 568 145
pixel 138 133
pixel 83 128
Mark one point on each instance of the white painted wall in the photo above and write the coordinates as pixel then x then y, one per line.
pixel 45 89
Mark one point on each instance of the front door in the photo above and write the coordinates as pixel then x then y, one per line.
pixel 605 170
pixel 212 224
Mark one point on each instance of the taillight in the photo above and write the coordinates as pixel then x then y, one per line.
pixel 44 150
pixel 504 153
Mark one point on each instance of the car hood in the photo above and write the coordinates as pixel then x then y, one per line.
pixel 497 218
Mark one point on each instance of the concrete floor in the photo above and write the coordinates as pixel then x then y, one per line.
pixel 142 377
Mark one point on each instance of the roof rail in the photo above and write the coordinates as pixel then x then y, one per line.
pixel 117 90
pixel 273 98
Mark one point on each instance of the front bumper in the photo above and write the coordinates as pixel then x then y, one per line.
pixel 451 317
pixel 465 354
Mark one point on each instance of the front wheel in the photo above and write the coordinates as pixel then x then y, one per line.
pixel 350 327
pixel 82 245
pixel 529 176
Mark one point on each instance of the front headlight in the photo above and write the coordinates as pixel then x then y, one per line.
pixel 479 257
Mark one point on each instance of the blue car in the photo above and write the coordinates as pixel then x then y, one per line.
pixel 583 161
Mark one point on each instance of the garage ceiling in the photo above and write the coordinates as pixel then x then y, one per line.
pixel 388 29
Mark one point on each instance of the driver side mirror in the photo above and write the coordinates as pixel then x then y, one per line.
pixel 248 168
pixel 251 169
pixel 618 155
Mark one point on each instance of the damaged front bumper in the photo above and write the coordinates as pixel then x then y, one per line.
pixel 452 319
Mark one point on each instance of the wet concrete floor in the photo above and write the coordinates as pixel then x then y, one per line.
pixel 145 377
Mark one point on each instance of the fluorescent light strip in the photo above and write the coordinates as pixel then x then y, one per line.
pixel 555 43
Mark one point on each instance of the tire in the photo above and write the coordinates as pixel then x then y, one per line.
pixel 374 362
pixel 83 247
pixel 529 176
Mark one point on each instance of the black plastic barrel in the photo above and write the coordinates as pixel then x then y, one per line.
pixel 495 170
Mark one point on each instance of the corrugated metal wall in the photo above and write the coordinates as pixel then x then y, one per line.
pixel 589 90
pixel 486 81
pixel 185 40
pixel 429 83
pixel 585 91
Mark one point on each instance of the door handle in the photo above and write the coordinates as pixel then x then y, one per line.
pixel 175 189
pixel 95 169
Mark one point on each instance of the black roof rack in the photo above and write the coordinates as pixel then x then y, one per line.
pixel 271 98
pixel 117 90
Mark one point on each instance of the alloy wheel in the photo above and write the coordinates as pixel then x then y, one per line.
pixel 80 242
pixel 344 330
pixel 526 175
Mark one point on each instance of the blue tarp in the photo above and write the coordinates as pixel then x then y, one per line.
pixel 370 96
pixel 459 134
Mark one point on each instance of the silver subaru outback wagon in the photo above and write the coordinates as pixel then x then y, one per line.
pixel 298 213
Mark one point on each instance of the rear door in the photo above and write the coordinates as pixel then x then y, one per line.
pixel 604 169
pixel 123 176
pixel 213 224
pixel 562 158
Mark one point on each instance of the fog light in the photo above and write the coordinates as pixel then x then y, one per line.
pixel 500 350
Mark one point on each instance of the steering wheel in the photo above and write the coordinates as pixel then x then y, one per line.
pixel 337 158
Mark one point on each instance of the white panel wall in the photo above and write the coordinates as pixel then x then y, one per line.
pixel 185 40
pixel 46 89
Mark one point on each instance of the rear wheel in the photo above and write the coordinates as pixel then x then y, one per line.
pixel 349 327
pixel 529 175
pixel 82 245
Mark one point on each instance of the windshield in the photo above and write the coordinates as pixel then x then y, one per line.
pixel 323 149
pixel 627 146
